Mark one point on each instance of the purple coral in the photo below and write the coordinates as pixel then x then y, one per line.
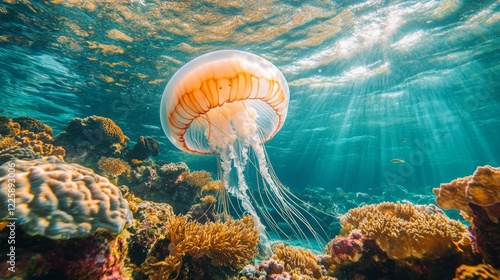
pixel 272 270
pixel 347 249
pixel 486 233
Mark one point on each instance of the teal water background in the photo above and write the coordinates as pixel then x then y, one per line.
pixel 370 81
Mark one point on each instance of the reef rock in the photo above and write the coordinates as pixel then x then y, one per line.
pixel 145 148
pixel 86 140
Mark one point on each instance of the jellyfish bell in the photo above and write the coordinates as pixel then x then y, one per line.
pixel 220 84
pixel 230 103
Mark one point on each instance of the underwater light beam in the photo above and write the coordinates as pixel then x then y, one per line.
pixel 230 103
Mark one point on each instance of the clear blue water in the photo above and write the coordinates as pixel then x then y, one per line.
pixel 370 81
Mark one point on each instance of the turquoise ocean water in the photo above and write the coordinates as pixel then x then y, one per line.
pixel 382 92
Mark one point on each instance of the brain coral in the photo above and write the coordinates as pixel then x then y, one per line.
pixel 17 153
pixel 97 128
pixel 88 139
pixel 33 125
pixel 59 200
pixel 406 231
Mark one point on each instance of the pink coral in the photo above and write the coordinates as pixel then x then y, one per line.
pixel 347 249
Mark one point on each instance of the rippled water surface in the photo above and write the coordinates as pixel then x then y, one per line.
pixel 382 92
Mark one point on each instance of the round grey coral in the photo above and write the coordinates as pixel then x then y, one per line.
pixel 60 201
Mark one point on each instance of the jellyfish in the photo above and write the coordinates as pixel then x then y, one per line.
pixel 229 103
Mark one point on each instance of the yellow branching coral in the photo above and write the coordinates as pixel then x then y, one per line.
pixel 407 231
pixel 232 243
pixel 197 178
pixel 482 188
pixel 297 261
pixel 114 166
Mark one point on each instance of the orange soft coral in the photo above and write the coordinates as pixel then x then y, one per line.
pixel 231 244
pixel 297 261
pixel 406 231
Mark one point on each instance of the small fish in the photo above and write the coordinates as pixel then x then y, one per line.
pixel 397 160
pixel 404 139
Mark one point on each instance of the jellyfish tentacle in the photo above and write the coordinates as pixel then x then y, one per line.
pixel 230 103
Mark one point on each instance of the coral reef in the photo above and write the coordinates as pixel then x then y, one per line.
pixel 86 140
pixel 478 198
pixel 33 125
pixel 171 183
pixel 150 222
pixel 250 272
pixel 193 246
pixel 99 256
pixel 30 133
pixel 394 241
pixel 407 231
pixel 145 148
pixel 59 200
pixel 477 272
pixel 39 141
pixel 337 201
pixel 288 263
